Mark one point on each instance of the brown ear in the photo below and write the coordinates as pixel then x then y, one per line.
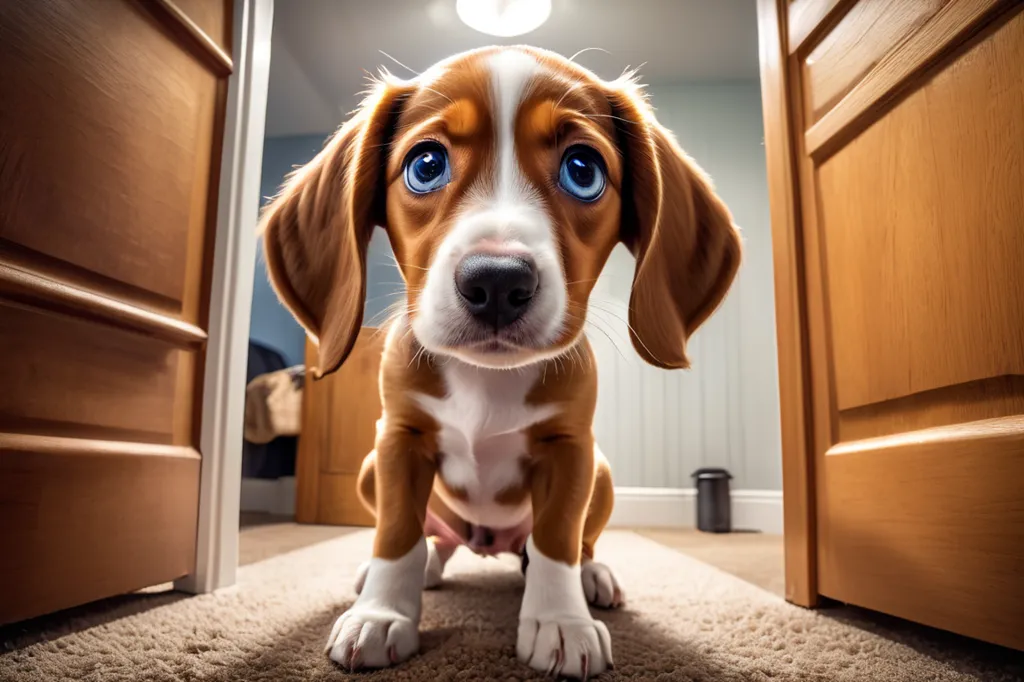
pixel 686 247
pixel 316 231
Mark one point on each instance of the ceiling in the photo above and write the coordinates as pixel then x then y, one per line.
pixel 322 49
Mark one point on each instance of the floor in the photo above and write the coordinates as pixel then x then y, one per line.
pixel 700 607
pixel 754 557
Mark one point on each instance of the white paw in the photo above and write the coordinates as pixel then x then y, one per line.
pixel 361 572
pixel 578 647
pixel 600 585
pixel 372 638
pixel 432 573
pixel 432 577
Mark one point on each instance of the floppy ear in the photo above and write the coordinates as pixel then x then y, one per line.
pixel 316 231
pixel 686 247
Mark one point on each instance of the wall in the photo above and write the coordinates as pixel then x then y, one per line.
pixel 272 324
pixel 655 426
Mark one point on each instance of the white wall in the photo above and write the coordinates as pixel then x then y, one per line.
pixel 655 426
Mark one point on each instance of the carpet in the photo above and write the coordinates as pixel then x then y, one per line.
pixel 684 620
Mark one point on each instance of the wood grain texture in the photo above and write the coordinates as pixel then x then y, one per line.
pixel 71 378
pixel 930 526
pixel 355 405
pixel 896 72
pixel 28 288
pixel 909 262
pixel 89 521
pixel 127 173
pixel 799 533
pixel 339 419
pixel 855 45
pixel 313 441
pixel 975 401
pixel 820 418
pixel 339 504
pixel 809 18
pixel 109 170
pixel 910 207
pixel 206 23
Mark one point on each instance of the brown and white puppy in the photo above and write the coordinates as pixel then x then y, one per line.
pixel 504 177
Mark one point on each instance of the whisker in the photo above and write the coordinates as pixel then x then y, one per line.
pixel 588 49
pixel 407 68
pixel 628 325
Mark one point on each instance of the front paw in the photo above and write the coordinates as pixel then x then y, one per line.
pixel 367 637
pixel 570 647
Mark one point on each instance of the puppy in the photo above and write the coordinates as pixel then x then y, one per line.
pixel 504 177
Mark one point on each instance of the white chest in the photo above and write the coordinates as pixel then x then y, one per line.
pixel 483 420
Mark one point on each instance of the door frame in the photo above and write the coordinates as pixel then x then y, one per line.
pixel 775 21
pixel 231 300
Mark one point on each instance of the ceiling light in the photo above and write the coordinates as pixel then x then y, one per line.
pixel 504 18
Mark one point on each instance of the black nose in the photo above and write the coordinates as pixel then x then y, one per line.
pixel 496 290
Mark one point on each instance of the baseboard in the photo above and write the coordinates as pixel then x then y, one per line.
pixel 270 495
pixel 756 510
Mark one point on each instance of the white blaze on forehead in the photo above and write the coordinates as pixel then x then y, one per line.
pixel 511 74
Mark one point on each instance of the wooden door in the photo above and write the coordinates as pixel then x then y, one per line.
pixel 111 117
pixel 339 426
pixel 895 141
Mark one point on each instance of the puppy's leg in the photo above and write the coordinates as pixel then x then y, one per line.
pixel 381 627
pixel 556 630
pixel 599 583
pixel 437 555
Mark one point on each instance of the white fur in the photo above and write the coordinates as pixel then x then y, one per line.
pixel 432 572
pixel 501 207
pixel 511 73
pixel 483 418
pixel 556 631
pixel 382 626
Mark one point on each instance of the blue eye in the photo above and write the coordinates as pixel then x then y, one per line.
pixel 427 169
pixel 582 173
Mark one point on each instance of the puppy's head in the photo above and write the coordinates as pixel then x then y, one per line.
pixel 504 177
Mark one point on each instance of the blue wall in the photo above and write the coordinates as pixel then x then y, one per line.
pixel 272 324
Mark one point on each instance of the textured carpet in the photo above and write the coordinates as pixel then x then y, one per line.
pixel 685 621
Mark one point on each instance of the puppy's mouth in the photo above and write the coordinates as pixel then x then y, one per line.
pixel 511 346
pixel 478 338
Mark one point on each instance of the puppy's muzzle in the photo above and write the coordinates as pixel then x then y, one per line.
pixel 496 289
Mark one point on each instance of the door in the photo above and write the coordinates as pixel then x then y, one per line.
pixel 339 426
pixel 895 139
pixel 111 117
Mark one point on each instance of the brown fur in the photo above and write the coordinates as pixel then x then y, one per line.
pixel 657 202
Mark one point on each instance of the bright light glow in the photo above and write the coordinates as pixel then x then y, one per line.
pixel 504 18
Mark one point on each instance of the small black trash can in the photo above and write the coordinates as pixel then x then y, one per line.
pixel 714 509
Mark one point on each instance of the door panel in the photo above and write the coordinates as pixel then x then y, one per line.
pixel 64 376
pixel 109 166
pixel 88 519
pixel 863 36
pixel 943 199
pixel 905 165
pixel 119 110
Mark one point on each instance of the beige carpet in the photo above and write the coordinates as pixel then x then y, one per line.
pixel 685 621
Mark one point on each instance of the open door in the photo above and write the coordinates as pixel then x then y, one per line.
pixel 110 144
pixel 895 142
pixel 339 427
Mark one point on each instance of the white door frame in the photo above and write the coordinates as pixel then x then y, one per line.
pixel 231 301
